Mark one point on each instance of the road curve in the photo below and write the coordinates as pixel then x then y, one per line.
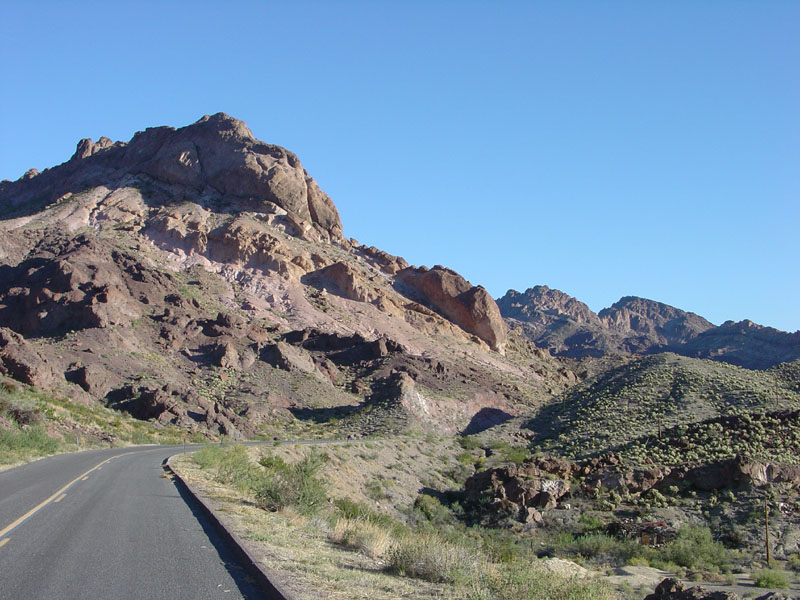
pixel 107 524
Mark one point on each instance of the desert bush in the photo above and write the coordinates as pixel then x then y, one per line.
pixel 694 548
pixel 469 442
pixel 231 464
pixel 770 578
pixel 429 557
pixel 794 562
pixel 363 535
pixel 520 580
pixel 591 522
pixel 605 548
pixel 282 484
pixel 431 509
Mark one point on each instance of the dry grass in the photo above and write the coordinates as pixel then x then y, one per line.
pixel 362 535
pixel 374 557
pixel 299 550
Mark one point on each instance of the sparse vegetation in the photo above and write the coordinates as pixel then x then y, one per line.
pixel 771 578
pixel 648 397
pixel 274 483
pixel 35 424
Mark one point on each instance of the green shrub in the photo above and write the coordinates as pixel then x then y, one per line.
pixel 605 548
pixel 590 522
pixel 770 578
pixel 207 457
pixel 349 509
pixel 431 509
pixel 694 548
pixel 282 484
pixel 469 443
pixel 794 562
pixel 24 443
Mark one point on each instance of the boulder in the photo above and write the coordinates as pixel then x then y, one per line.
pixel 516 488
pixel 93 378
pixel 470 307
pixel 20 360
pixel 287 357
pixel 225 354
pixel 349 282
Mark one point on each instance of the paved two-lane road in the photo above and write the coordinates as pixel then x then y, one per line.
pixel 119 531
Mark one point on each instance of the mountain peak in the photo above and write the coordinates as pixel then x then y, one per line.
pixel 215 156
pixel 224 123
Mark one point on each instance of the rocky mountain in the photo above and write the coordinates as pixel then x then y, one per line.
pixel 199 277
pixel 567 327
pixel 745 344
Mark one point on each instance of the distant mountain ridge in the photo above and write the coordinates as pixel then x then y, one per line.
pixel 567 327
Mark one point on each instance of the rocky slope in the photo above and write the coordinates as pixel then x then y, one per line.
pixel 199 277
pixel 567 327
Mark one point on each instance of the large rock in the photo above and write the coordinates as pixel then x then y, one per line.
pixel 287 357
pixel 349 282
pixel 470 307
pixel 515 489
pixel 673 589
pixel 70 285
pixel 94 379
pixel 20 360
pixel 217 153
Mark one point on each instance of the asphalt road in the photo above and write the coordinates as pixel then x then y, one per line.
pixel 106 524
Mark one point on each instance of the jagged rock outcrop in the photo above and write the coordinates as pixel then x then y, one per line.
pixel 93 378
pixel 76 284
pixel 540 300
pixel 196 258
pixel 388 263
pixel 217 153
pixel 470 307
pixel 287 357
pixel 349 283
pixel 22 361
pixel 520 491
pixel 646 323
pixel 567 327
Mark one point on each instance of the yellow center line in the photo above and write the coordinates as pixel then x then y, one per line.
pixel 59 499
pixel 4 542
pixel 38 507
pixel 85 478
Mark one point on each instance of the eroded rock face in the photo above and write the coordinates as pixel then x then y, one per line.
pixel 75 285
pixel 470 307
pixel 21 361
pixel 349 282
pixel 542 299
pixel 388 263
pixel 656 323
pixel 521 491
pixel 217 153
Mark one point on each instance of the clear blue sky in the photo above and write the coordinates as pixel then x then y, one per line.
pixel 602 148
